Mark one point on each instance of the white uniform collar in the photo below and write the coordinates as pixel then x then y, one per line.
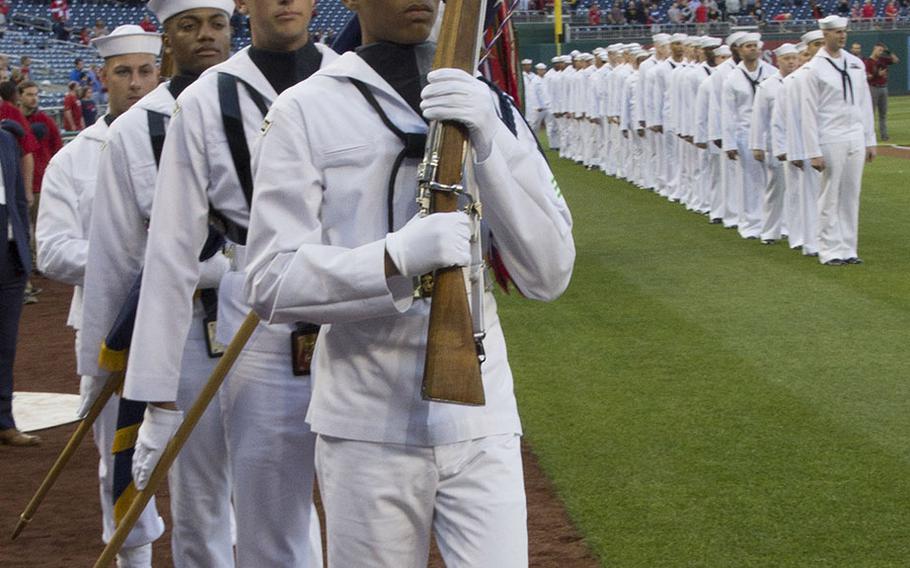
pixel 351 65
pixel 159 100
pixel 97 131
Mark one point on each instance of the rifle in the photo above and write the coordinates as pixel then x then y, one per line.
pixel 454 351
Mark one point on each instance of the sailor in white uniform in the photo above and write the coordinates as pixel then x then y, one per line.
pixel 839 137
pixel 63 229
pixel 205 174
pixel 724 209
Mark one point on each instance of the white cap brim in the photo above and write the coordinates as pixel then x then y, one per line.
pixel 128 39
pixel 164 9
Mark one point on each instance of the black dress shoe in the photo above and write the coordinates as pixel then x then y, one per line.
pixel 716 221
pixel 752 238
pixel 836 262
pixel 768 241
pixel 854 260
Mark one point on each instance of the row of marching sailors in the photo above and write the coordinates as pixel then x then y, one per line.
pixel 772 152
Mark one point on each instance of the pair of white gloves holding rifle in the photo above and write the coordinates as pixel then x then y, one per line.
pixel 419 247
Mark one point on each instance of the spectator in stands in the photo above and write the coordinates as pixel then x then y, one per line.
pixel 891 11
pixel 61 32
pixel 616 17
pixel 856 49
pixel 25 67
pixel 877 73
pixel 674 14
pixel 60 11
pixel 89 109
pixel 714 14
pixel 688 12
pixel 85 36
pixel 46 132
pixel 868 11
pixel 78 73
pixel 100 29
pixel 147 24
pixel 843 8
pixel 701 14
pixel 98 88
pixel 72 109
pixel 9 110
pixel 856 12
pixel 594 14
pixel 817 12
pixel 757 11
pixel 4 8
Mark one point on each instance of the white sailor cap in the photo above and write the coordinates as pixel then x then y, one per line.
pixel 566 58
pixel 786 49
pixel 604 55
pixel 125 39
pixel 614 47
pixel 692 40
pixel 709 42
pixel 660 39
pixel 540 66
pixel 833 22
pixel 525 61
pixel 632 45
pixel 731 39
pixel 801 47
pixel 723 51
pixel 811 36
pixel 556 59
pixel 586 56
pixel 678 37
pixel 573 53
pixel 164 9
pixel 639 53
pixel 752 37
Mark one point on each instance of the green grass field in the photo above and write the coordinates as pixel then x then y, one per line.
pixel 701 400
pixel 898 120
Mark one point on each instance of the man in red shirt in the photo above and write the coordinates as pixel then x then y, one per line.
pixel 46 132
pixel 868 11
pixel 877 73
pixel 72 109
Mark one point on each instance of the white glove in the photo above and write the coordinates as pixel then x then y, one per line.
pixel 89 390
pixel 455 95
pixel 211 271
pixel 158 425
pixel 426 243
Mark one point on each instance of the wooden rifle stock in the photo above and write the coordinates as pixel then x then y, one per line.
pixel 452 368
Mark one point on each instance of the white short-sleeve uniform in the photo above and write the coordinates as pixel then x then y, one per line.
pixel 269 444
pixel 760 139
pixel 62 233
pixel 392 465
pixel 199 480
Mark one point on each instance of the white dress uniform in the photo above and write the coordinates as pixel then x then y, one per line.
pixel 199 480
pixel 263 404
pixel 549 82
pixel 611 156
pixel 628 122
pixel 809 178
pixel 601 141
pixel 695 196
pixel 384 454
pixel 532 103
pixel 738 96
pixel 62 233
pixel 567 131
pixel 669 168
pixel 588 112
pixel 837 124
pixel 760 139
pixel 615 102
pixel 543 104
pixel 727 212
pixel 709 182
pixel 649 146
pixel 780 127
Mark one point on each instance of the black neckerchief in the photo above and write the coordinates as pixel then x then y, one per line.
pixel 180 82
pixel 753 82
pixel 285 69
pixel 846 81
pixel 398 65
pixel 109 119
pixel 707 70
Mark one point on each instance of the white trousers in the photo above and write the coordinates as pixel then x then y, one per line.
pixel 773 203
pixel 383 500
pixel 270 447
pixel 671 164
pixel 552 134
pixel 793 210
pixel 714 183
pixel 751 181
pixel 648 175
pixel 150 526
pixel 200 479
pixel 660 153
pixel 838 200
pixel 729 184
pixel 809 207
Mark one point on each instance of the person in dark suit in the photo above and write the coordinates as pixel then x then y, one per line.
pixel 15 264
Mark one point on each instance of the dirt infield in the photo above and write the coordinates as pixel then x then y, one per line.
pixel 66 530
pixel 894 151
